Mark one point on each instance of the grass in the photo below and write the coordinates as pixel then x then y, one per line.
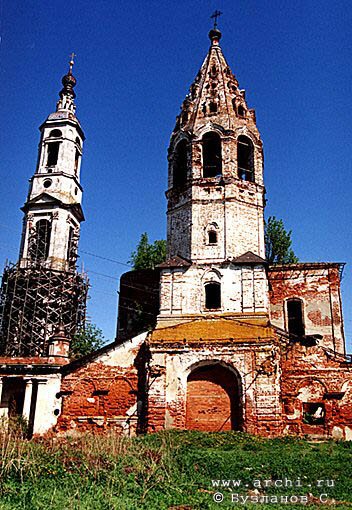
pixel 169 470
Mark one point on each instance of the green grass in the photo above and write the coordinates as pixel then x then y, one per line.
pixel 166 470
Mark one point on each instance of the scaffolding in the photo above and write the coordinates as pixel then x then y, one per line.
pixel 34 301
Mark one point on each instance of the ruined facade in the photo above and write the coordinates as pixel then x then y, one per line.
pixel 232 343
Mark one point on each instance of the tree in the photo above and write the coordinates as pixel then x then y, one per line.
pixel 278 243
pixel 86 340
pixel 148 255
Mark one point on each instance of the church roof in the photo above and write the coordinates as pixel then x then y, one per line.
pixel 216 329
pixel 176 261
pixel 249 258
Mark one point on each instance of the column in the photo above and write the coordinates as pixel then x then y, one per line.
pixel 27 399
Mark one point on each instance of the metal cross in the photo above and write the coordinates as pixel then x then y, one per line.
pixel 215 16
pixel 73 55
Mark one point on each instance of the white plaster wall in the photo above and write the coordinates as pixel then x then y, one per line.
pixel 243 289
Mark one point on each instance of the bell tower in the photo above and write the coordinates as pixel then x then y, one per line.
pixel 53 210
pixel 44 291
pixel 215 226
pixel 215 185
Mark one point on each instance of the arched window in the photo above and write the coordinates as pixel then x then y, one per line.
pixel 245 158
pixel 212 160
pixel 55 133
pixel 39 241
pixel 213 107
pixel 234 104
pixel 179 175
pixel 212 295
pixel 212 237
pixel 241 111
pixel 53 153
pixel 295 317
pixel 78 141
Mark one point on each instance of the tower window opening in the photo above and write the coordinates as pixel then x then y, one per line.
pixel 53 153
pixel 76 161
pixel 212 160
pixel 39 241
pixel 78 141
pixel 55 133
pixel 71 248
pixel 234 105
pixel 241 111
pixel 212 237
pixel 295 317
pixel 47 183
pixel 212 296
pixel 213 107
pixel 180 164
pixel 245 158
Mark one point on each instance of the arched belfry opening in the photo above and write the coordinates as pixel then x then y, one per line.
pixel 212 159
pixel 39 241
pixel 179 170
pixel 245 158
pixel 213 398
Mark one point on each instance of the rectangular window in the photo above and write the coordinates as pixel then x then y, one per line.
pixel 53 153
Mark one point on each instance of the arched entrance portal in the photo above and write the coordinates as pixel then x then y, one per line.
pixel 213 399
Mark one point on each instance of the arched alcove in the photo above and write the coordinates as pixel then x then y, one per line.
pixel 213 398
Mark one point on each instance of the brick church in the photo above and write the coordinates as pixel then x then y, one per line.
pixel 233 343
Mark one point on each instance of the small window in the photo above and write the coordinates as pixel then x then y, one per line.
pixel 241 111
pixel 77 155
pixel 234 105
pixel 295 317
pixel 47 183
pixel 245 158
pixel 213 107
pixel 53 153
pixel 212 237
pixel 55 133
pixel 179 174
pixel 78 141
pixel 314 413
pixel 184 117
pixel 212 296
pixel 212 159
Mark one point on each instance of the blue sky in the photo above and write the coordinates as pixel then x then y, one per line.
pixel 135 62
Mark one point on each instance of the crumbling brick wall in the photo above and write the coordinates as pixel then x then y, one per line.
pixel 104 391
pixel 317 285
pixel 315 381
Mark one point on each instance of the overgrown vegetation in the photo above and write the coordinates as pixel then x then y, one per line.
pixel 87 340
pixel 148 255
pixel 169 470
pixel 278 243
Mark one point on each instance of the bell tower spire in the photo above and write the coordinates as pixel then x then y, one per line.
pixel 43 290
pixel 67 94
pixel 55 192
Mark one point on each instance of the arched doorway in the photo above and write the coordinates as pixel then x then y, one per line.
pixel 213 399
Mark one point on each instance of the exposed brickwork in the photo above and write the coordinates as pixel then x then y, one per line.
pixel 212 400
pixel 99 397
pixel 313 375
pixel 318 286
